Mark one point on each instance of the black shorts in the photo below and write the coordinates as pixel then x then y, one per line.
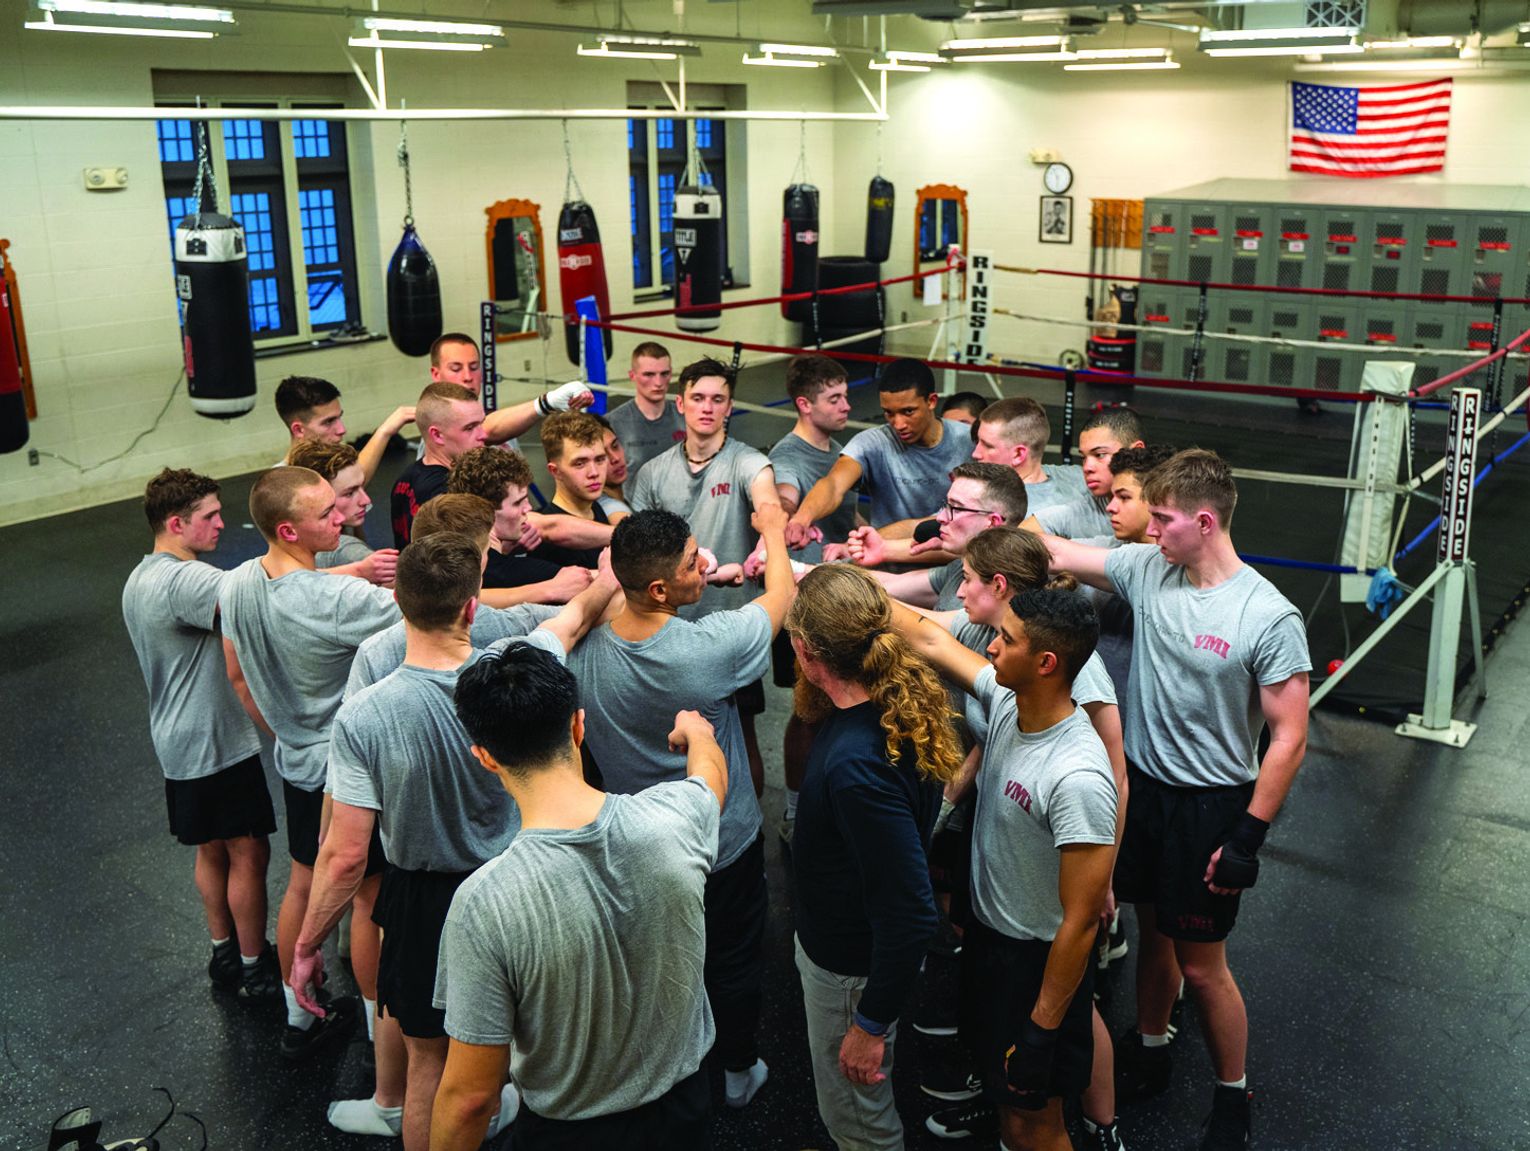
pixel 305 811
pixel 678 1120
pixel 783 661
pixel 1001 978
pixel 411 910
pixel 228 804
pixel 751 698
pixel 1171 833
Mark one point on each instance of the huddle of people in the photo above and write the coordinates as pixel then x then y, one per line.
pixel 518 748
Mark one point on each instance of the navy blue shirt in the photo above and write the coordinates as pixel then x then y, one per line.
pixel 859 870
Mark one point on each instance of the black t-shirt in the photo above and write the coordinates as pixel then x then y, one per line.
pixel 416 484
pixel 571 557
pixel 517 568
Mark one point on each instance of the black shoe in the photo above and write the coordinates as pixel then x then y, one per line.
pixel 1106 1138
pixel 953 1086
pixel 1229 1125
pixel 1141 1072
pixel 261 981
pixel 225 968
pixel 337 1024
pixel 946 944
pixel 975 1120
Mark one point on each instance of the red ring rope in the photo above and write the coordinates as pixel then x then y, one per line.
pixel 790 297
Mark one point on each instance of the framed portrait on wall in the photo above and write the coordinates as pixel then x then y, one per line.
pixel 1056 221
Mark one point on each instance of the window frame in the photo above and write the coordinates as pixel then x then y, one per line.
pixel 645 214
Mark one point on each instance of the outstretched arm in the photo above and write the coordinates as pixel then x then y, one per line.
pixel 372 453
pixel 822 499
pixel 693 735
pixel 951 658
pixel 585 610
pixel 507 423
pixel 1082 561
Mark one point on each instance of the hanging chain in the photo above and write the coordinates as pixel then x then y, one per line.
pixel 570 181
pixel 879 147
pixel 801 154
pixel 204 171
pixel 403 161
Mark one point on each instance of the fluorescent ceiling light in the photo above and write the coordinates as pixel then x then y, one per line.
pixel 769 61
pixel 1287 50
pixel 1210 36
pixel 999 57
pixel 1165 65
pixel 642 48
pixel 1415 42
pixel 375 41
pixel 126 18
pixel 916 57
pixel 46 24
pixel 1122 53
pixel 799 50
pixel 426 35
pixel 1522 35
pixel 1001 42
pixel 890 65
pixel 137 11
pixel 1439 64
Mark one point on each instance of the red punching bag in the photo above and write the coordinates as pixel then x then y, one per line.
pixel 698 257
pixel 799 249
pixel 581 271
pixel 13 405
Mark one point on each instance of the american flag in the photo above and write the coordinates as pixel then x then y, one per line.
pixel 1396 130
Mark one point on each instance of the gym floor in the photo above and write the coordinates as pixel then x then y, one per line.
pixel 1385 955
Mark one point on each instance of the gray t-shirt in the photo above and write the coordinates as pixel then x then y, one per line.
pixel 630 693
pixel 944 581
pixel 1038 792
pixel 1091 685
pixel 1199 658
pixel 1074 520
pixel 397 748
pixel 907 481
pixel 613 506
pixel 350 551
pixel 799 464
pixel 715 502
pixel 643 439
pixel 583 951
pixel 295 637
pixel 198 726
pixel 383 653
pixel 1064 484
pixel 1116 623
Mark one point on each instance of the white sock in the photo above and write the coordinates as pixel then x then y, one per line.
pixel 370 1007
pixel 1155 1040
pixel 220 942
pixel 509 1108
pixel 249 960
pixel 365 1117
pixel 296 1016
pixel 1242 1082
pixel 741 1086
pixel 791 803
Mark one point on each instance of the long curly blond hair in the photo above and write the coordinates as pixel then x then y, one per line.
pixel 844 618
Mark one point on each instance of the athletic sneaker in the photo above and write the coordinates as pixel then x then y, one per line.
pixel 261 982
pixel 975 1120
pixel 1229 1125
pixel 225 968
pixel 784 829
pixel 1141 1072
pixel 954 1086
pixel 1113 945
pixel 1106 1138
pixel 946 943
pixel 339 1018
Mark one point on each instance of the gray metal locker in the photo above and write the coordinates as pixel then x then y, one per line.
pixel 1298 250
pixel 1288 367
pixel 1393 243
pixel 1252 258
pixel 1444 263
pixel 1345 259
pixel 1207 246
pixel 1162 241
pixel 1336 320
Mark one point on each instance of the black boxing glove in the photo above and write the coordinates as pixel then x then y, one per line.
pixel 926 530
pixel 1028 1067
pixel 1238 865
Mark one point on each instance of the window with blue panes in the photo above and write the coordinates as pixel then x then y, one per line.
pixel 654 180
pixel 640 201
pixel 310 139
pixel 244 139
pixel 664 134
pixel 324 206
pixel 176 143
pixel 703 133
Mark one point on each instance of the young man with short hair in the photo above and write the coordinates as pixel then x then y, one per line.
pixel 1044 841
pixel 454 359
pixel 400 762
pixel 652 660
pixel 1103 435
pixel 209 751
pixel 310 409
pixel 648 424
pixel 964 406
pixel 1015 432
pixel 612 501
pixel 290 633
pixel 584 937
pixel 451 422
pixel 1226 654
pixel 339 465
pixel 575 448
pixel 900 464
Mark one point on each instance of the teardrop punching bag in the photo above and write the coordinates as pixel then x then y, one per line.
pixel 799 248
pixel 414 296
pixel 212 278
pixel 581 271
pixel 13 405
pixel 879 219
pixel 698 257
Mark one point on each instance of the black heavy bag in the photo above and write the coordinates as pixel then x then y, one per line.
pixel 212 278
pixel 799 248
pixel 698 257
pixel 849 311
pixel 13 405
pixel 414 296
pixel 879 220
pixel 581 271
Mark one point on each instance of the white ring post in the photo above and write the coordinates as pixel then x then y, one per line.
pixel 1457 587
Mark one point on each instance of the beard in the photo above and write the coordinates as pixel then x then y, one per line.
pixel 809 701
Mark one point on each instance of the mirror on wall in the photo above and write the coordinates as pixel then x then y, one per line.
pixel 517 274
pixel 940 220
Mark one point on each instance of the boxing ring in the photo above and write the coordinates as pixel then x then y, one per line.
pixel 1385 529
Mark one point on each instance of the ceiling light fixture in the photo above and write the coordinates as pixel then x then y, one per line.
pixel 770 61
pixel 1238 35
pixel 127 18
pixel 799 50
pixel 986 42
pixel 1167 64
pixel 1122 53
pixel 641 48
pixel 425 35
pixel 1287 50
pixel 1415 42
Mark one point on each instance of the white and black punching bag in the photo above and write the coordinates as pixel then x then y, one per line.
pixel 212 278
pixel 799 248
pixel 414 296
pixel 879 220
pixel 581 271
pixel 14 431
pixel 698 257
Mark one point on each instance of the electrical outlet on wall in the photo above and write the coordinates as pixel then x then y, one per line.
pixel 105 179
